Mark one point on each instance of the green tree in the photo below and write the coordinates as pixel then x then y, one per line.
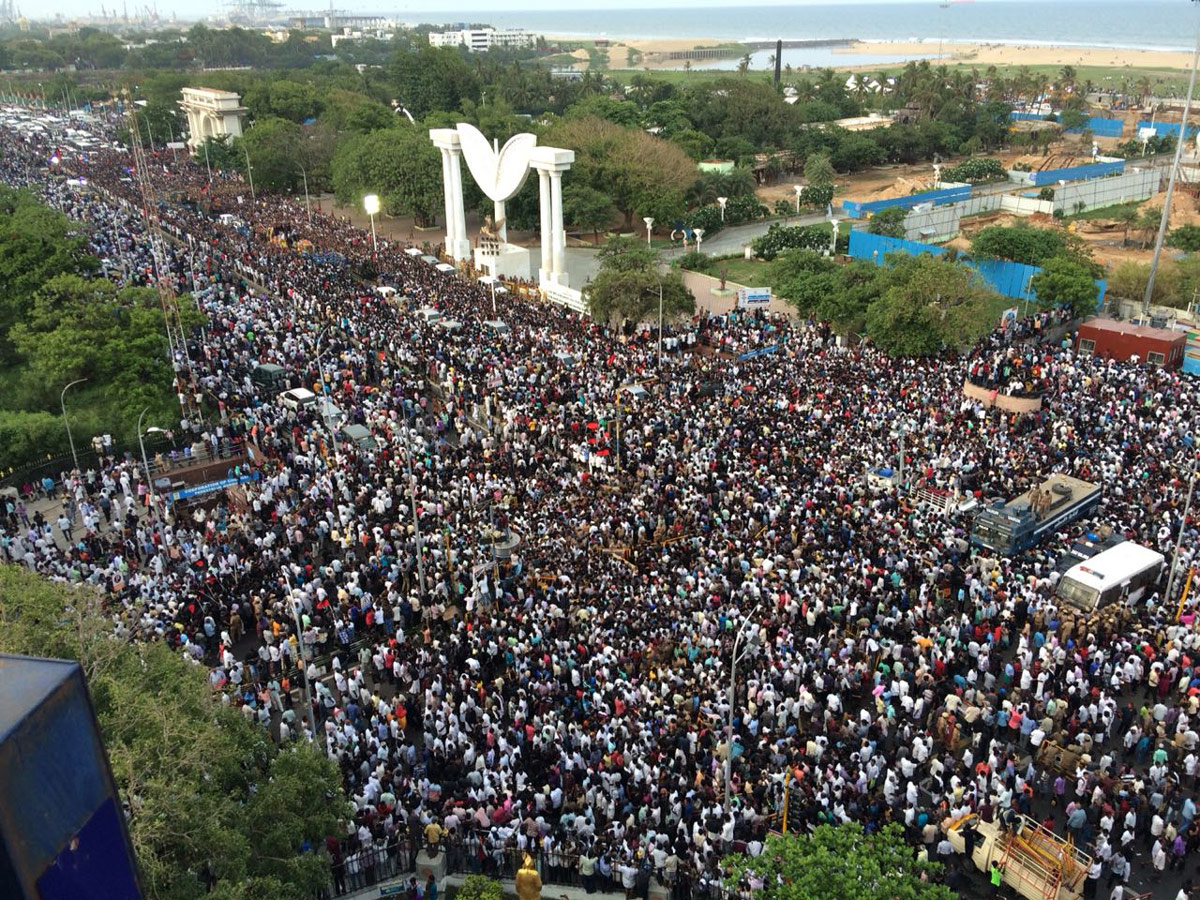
pixel 888 222
pixel 1021 243
pixel 628 284
pixel 480 887
pixel 804 278
pixel 207 791
pixel 1065 282
pixel 587 208
pixel 1128 282
pixel 218 154
pixel 274 146
pixel 398 164
pixel 433 78
pixel 839 862
pixel 36 244
pixel 926 304
pixel 818 169
pixel 644 175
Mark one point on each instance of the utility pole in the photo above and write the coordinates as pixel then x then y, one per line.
pixel 734 659
pixel 295 604
pixel 1187 508
pixel 1166 210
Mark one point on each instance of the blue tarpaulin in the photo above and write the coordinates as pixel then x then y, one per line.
pixel 1012 279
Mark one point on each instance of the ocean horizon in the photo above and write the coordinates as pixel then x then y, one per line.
pixel 1148 25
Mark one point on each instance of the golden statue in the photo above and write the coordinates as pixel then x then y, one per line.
pixel 529 882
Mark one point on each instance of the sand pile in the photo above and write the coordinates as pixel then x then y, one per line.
pixel 1183 209
pixel 901 187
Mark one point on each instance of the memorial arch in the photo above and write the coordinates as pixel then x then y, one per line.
pixel 211 114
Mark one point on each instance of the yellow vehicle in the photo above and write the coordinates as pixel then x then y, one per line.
pixel 1036 862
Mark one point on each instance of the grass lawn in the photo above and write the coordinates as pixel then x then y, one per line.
pixel 1105 212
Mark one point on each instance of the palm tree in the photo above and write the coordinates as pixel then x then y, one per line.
pixel 1125 216
pixel 1066 79
pixel 687 67
pixel 743 65
pixel 1142 88
pixel 1147 223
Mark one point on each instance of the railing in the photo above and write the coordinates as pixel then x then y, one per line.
pixel 364 868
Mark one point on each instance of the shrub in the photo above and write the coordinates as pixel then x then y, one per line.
pixel 784 208
pixel 889 222
pixel 1046 193
pixel 976 171
pixel 706 217
pixel 740 210
pixel 817 195
pixel 479 887
pixel 696 261
pixel 780 238
pixel 1186 237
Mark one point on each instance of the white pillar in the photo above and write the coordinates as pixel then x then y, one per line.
pixel 448 191
pixel 462 247
pixel 556 225
pixel 544 186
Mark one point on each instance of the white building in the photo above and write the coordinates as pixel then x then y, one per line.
pixel 357 37
pixel 480 40
pixel 211 114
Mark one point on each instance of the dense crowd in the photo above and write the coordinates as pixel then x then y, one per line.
pixel 572 698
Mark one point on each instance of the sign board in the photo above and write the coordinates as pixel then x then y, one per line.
pixel 754 297
pixel 212 487
pixel 393 890
pixel 564 296
pixel 761 351
pixel 176 145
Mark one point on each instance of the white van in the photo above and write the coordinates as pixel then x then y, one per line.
pixel 428 315
pixel 298 398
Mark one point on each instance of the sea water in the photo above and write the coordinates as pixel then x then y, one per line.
pixel 1142 24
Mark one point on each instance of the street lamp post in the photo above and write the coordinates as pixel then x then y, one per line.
pixel 733 663
pixel 145 462
pixel 722 201
pixel 799 189
pixel 1166 210
pixel 249 172
pixel 699 232
pixel 62 401
pixel 307 208
pixel 660 322
pixel 649 220
pixel 207 164
pixel 1187 508
pixel 295 603
pixel 371 207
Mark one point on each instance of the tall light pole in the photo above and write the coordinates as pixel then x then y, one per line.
pixel 295 603
pixel 1187 508
pixel 145 462
pixel 799 188
pixel 371 207
pixel 649 220
pixel 62 401
pixel 699 232
pixel 734 659
pixel 721 201
pixel 304 175
pixel 249 172
pixel 1166 210
pixel 660 321
pixel 207 165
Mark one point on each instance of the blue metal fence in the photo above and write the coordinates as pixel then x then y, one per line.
pixel 1162 129
pixel 859 210
pixel 1078 173
pixel 1101 126
pixel 1012 279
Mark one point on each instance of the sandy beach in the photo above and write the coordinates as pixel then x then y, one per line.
pixel 980 54
pixel 1024 55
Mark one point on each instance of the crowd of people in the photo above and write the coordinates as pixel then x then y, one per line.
pixel 572 698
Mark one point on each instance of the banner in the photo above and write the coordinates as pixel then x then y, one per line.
pixel 754 297
pixel 211 487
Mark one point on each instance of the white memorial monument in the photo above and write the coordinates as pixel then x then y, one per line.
pixel 501 172
pixel 211 114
